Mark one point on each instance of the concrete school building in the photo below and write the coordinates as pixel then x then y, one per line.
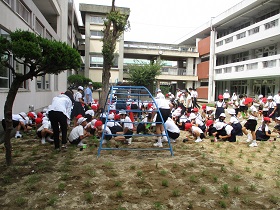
pixel 239 50
pixel 52 19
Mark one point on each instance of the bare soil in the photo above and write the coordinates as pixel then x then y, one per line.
pixel 207 175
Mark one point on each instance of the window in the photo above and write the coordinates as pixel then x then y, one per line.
pixel 243 56
pixel 268 15
pixel 220 43
pixel 218 71
pixel 39 28
pixel 55 83
pixel 271 24
pixel 8 2
pixel 97 61
pixel 22 69
pixel 204 83
pixel 97 19
pixel 43 82
pixel 48 35
pixel 4 77
pixel 23 11
pixel 241 35
pixel 94 33
pixel 228 40
pixel 254 31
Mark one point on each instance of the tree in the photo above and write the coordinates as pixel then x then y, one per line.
pixel 114 25
pixel 39 56
pixel 142 74
pixel 76 80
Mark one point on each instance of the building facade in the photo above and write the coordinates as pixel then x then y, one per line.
pixel 240 50
pixel 93 20
pixel 52 19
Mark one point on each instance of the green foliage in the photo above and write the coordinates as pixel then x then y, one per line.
pixel 142 74
pixel 76 80
pixel 41 55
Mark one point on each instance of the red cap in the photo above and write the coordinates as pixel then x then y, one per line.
pixel 38 120
pixel 266 119
pixel 31 115
pixel 195 109
pixel 39 115
pixel 117 117
pixel 188 126
pixel 220 97
pixel 98 123
pixel 264 100
pixel 203 106
pixel 79 116
pixel 150 105
pixel 209 122
pixel 166 95
pixel 94 107
pixel 248 100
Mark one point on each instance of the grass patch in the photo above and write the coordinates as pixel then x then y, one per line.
pixel 175 193
pixel 88 197
pixel 165 183
pixel 163 172
pixel 224 190
pixel 20 201
pixel 119 194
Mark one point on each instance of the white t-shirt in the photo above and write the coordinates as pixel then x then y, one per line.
pixel 233 120
pixel 17 117
pixel 77 96
pixel 265 106
pixel 46 124
pixel 184 118
pixel 228 129
pixel 194 129
pixel 162 103
pixel 266 129
pixel 61 103
pixel 127 123
pixel 276 98
pixel 252 109
pixel 76 133
pixel 171 126
pixel 106 130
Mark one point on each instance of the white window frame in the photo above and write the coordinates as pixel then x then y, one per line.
pixel 23 12
pixel 96 34
pixel 43 82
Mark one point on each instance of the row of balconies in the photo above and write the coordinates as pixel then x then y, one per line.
pixel 250 68
pixel 251 34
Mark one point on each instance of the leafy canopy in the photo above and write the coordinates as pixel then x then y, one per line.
pixel 76 80
pixel 142 74
pixel 39 54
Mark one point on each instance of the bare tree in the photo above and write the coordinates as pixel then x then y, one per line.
pixel 115 24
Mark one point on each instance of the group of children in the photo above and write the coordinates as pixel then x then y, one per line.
pixel 138 117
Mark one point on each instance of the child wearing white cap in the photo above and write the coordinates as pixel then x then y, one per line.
pixel 78 133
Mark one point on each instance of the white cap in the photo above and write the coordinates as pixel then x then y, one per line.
pixel 111 116
pixel 80 88
pixel 260 96
pixel 231 111
pixel 222 115
pixel 269 97
pixel 90 83
pixel 81 120
pixel 219 125
pixel 122 112
pixel 93 123
pixel 192 116
pixel 277 118
pixel 159 90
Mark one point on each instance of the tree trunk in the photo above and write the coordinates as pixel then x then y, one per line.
pixel 8 118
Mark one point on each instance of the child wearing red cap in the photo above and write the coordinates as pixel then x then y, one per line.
pixel 251 122
pixel 45 130
pixel 195 131
pixel 220 106
pixel 263 133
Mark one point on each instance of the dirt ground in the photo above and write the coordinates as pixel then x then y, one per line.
pixel 206 175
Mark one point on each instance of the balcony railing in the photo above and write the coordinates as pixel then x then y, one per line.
pixel 258 64
pixel 171 71
pixel 259 27
pixel 155 46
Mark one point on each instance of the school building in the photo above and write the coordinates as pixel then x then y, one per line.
pixel 239 50
pixel 52 19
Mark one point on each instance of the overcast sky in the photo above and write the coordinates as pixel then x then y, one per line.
pixel 166 21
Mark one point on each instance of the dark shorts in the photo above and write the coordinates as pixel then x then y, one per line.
pixel 251 125
pixel 75 141
pixel 165 113
pixel 173 135
pixel 128 134
pixel 242 108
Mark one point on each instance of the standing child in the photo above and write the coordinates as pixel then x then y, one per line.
pixel 251 122
pixel 265 107
pixel 220 106
pixel 78 105
pixel 272 107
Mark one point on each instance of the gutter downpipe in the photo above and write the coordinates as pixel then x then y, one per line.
pixel 211 85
